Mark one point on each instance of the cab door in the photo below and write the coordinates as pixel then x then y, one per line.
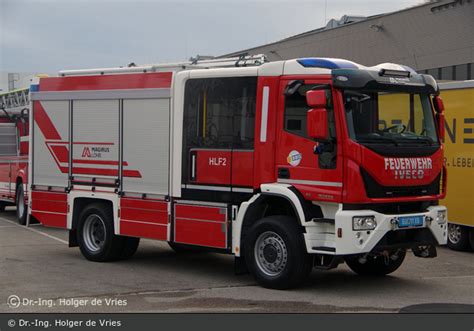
pixel 218 138
pixel 314 168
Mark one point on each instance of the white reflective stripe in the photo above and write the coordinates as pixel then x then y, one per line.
pixel 218 188
pixel 309 182
pixel 242 189
pixel 5 185
pixel 264 121
pixel 211 188
pixel 25 138
pixel 147 93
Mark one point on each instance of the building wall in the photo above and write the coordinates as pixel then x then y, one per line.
pixel 434 37
pixel 22 80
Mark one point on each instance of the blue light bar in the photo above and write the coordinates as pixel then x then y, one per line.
pixel 315 62
pixel 34 88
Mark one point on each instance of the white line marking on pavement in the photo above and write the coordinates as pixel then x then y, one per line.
pixel 35 231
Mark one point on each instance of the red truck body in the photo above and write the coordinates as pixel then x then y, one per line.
pixel 14 135
pixel 229 159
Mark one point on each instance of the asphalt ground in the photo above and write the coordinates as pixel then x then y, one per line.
pixel 40 273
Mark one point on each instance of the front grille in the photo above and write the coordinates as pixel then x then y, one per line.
pixel 376 190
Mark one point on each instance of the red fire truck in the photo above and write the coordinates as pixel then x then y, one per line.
pixel 287 165
pixel 14 106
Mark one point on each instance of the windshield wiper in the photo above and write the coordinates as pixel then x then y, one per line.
pixel 358 97
pixel 378 139
pixel 419 138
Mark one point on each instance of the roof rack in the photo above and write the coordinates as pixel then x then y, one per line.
pixel 194 63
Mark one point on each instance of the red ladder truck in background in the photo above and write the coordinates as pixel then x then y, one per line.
pixel 14 129
pixel 287 165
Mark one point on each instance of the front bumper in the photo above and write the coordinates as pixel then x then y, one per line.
pixel 386 235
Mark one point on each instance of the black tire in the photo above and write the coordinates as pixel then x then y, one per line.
pixel 284 262
pixel 458 237
pixel 102 245
pixel 21 207
pixel 2 207
pixel 375 265
pixel 184 249
pixel 471 238
pixel 130 246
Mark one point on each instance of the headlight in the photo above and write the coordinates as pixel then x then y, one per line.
pixel 363 223
pixel 441 217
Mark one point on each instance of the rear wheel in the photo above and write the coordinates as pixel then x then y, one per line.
pixel 458 237
pixel 95 234
pixel 379 265
pixel 275 253
pixel 20 204
pixel 130 247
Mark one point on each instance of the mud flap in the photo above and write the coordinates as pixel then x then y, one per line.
pixel 73 238
pixel 425 251
pixel 240 267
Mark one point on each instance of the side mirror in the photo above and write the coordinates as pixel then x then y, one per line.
pixel 439 107
pixel 441 129
pixel 438 104
pixel 316 98
pixel 317 123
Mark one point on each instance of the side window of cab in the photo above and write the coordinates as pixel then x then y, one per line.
pixel 295 115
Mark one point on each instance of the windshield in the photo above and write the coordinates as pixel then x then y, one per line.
pixel 392 118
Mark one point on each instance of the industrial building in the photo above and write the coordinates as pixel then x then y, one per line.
pixel 435 38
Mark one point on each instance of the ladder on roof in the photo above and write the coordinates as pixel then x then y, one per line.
pixel 14 102
pixel 193 63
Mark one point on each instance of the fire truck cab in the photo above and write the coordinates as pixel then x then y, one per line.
pixel 287 165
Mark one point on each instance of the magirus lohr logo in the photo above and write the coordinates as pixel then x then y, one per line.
pixel 94 152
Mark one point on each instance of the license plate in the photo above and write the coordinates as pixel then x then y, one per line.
pixel 410 221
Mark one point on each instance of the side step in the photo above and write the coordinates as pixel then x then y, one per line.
pixel 326 262
pixel 324 249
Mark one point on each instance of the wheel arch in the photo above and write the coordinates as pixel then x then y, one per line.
pixel 274 199
pixel 79 203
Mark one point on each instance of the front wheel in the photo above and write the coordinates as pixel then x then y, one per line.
pixel 20 204
pixel 379 265
pixel 275 253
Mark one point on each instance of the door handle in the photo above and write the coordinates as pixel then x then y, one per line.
pixel 193 156
pixel 283 173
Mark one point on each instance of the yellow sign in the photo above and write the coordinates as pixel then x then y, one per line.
pixel 459 152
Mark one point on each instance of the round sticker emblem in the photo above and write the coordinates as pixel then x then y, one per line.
pixel 294 158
